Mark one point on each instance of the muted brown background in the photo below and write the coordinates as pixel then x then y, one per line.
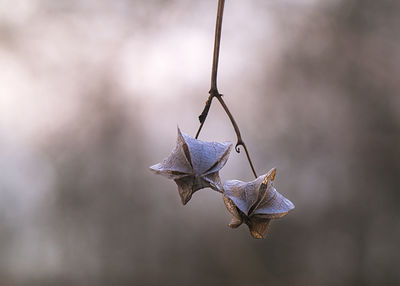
pixel 91 93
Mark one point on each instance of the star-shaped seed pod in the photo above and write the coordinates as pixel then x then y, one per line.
pixel 255 203
pixel 194 165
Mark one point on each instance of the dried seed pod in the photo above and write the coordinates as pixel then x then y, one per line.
pixel 194 164
pixel 255 203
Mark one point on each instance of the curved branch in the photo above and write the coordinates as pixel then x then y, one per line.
pixel 239 141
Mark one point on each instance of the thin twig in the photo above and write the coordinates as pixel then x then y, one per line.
pixel 239 141
pixel 214 90
pixel 217 42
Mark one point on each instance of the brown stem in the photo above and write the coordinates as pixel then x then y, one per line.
pixel 217 42
pixel 239 141
pixel 214 90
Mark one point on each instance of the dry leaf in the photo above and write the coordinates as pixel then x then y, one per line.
pixel 255 203
pixel 194 164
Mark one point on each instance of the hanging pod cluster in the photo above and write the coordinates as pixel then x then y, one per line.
pixel 195 164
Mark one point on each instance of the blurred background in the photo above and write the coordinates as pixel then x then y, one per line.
pixel 92 92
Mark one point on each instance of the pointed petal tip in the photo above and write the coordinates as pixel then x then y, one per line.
pixel 179 133
pixel 183 137
pixel 156 168
pixel 183 134
pixel 228 144
pixel 286 202
pixel 256 235
pixel 289 204
pixel 272 173
pixel 185 199
pixel 258 227
pixel 269 176
pixel 235 222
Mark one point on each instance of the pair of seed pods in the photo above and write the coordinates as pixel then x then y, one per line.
pixel 195 164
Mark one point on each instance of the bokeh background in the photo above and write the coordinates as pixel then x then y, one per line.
pixel 91 93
